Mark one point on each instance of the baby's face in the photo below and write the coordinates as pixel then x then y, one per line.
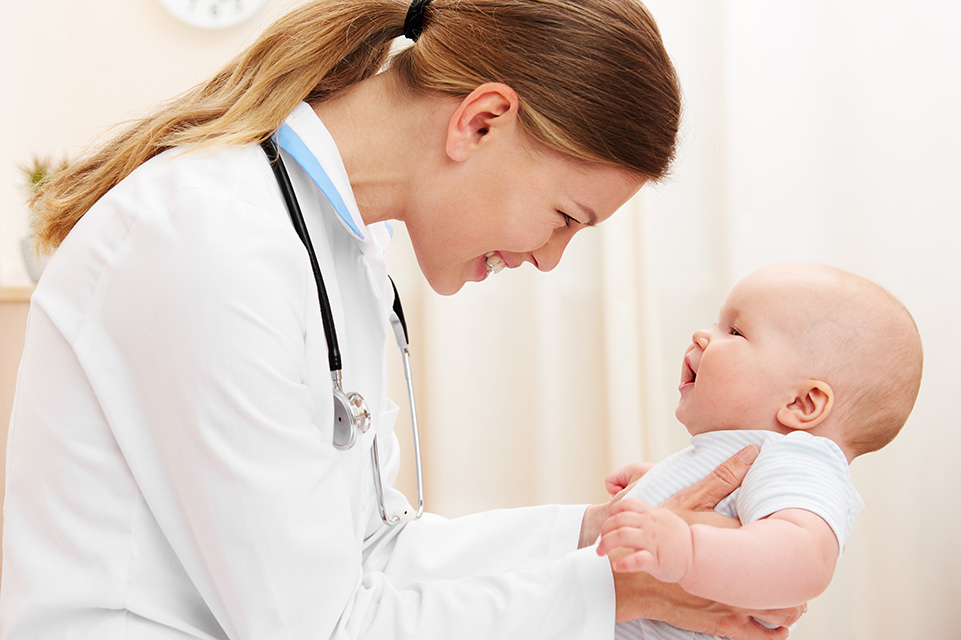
pixel 738 373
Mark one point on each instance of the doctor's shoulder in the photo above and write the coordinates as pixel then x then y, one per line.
pixel 222 184
pixel 230 170
pixel 210 211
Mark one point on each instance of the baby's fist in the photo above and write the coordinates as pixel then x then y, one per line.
pixel 660 540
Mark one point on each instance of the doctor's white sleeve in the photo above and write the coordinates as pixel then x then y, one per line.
pixel 194 346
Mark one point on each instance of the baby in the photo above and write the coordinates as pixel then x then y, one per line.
pixel 813 365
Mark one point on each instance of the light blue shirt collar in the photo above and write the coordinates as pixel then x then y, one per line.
pixel 306 140
pixel 292 143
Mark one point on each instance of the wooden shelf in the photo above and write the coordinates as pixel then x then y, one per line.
pixel 15 294
pixel 14 305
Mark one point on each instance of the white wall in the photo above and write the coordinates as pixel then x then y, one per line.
pixel 70 69
pixel 830 130
pixel 819 130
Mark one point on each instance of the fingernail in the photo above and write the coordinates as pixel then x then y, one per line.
pixel 748 455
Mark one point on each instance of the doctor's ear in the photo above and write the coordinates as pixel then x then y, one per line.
pixel 810 407
pixel 491 107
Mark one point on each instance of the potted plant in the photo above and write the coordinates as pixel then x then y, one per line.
pixel 36 174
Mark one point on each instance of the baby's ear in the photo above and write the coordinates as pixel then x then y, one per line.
pixel 810 407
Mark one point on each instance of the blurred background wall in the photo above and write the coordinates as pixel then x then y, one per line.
pixel 817 130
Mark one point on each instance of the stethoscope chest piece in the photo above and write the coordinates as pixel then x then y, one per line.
pixel 351 416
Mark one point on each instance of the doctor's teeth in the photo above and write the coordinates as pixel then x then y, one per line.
pixel 493 262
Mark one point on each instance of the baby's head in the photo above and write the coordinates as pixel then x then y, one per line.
pixel 805 346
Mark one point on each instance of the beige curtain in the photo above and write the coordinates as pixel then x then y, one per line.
pixel 816 130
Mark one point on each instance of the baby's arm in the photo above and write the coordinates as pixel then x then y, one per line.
pixel 783 560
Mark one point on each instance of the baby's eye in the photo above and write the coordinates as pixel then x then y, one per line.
pixel 734 332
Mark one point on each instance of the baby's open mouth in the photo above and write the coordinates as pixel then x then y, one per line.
pixel 688 374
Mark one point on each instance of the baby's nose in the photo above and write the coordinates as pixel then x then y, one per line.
pixel 701 338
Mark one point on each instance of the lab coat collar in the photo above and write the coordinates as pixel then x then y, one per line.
pixel 305 138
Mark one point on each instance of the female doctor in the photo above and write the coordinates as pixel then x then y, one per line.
pixel 174 466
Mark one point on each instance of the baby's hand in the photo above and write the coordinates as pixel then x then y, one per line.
pixel 622 478
pixel 661 541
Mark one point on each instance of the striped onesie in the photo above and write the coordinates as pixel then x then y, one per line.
pixel 797 471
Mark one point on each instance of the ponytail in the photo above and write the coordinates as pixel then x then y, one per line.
pixel 313 52
pixel 592 76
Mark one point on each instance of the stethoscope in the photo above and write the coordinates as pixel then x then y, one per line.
pixel 351 414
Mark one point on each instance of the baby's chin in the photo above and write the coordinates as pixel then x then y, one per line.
pixel 695 426
pixel 685 421
pixel 692 427
pixel 694 430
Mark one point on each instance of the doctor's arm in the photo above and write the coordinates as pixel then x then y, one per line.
pixel 516 539
pixel 223 433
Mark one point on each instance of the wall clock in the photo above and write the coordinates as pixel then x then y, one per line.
pixel 212 14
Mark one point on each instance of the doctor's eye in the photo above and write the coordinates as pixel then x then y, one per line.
pixel 568 221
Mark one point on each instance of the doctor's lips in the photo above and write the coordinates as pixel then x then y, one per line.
pixel 493 262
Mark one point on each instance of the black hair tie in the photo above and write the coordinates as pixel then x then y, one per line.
pixel 414 22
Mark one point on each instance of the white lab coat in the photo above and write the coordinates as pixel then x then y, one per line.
pixel 170 471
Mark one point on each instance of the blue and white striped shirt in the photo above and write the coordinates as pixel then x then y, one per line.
pixel 797 471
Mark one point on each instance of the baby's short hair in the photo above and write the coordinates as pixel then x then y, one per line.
pixel 869 349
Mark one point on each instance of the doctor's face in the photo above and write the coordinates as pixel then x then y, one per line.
pixel 515 204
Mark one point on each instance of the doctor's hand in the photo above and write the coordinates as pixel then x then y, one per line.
pixel 640 595
pixel 695 504
pixel 597 514
pixel 617 483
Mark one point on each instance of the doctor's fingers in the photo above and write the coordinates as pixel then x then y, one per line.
pixel 717 485
pixel 748 625
pixel 781 617
pixel 642 560
pixel 747 628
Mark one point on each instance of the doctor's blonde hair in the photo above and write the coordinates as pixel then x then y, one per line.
pixel 593 78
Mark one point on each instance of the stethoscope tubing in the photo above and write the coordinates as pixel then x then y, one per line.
pixel 398 322
pixel 300 226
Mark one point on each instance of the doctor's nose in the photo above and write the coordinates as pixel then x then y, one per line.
pixel 549 255
pixel 701 338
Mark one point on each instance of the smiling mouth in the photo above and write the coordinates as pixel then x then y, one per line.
pixel 493 262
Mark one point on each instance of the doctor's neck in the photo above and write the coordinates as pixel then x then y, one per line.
pixel 388 138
